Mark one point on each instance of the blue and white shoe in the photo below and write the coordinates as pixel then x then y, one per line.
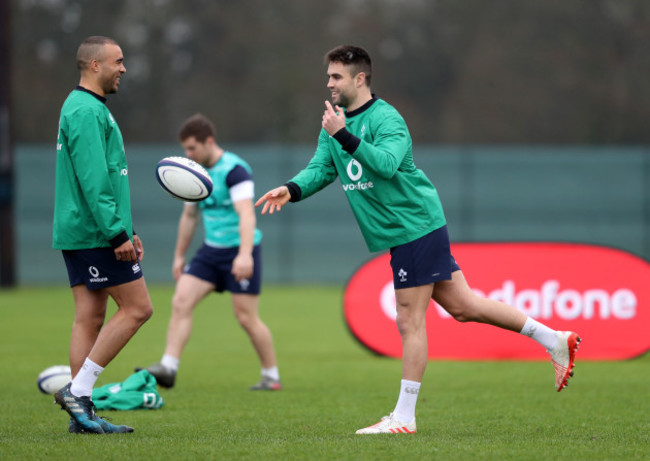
pixel 109 428
pixel 81 409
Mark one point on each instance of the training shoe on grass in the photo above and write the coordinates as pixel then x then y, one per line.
pixel 81 409
pixel 390 425
pixel 563 356
pixel 164 376
pixel 267 384
pixel 109 428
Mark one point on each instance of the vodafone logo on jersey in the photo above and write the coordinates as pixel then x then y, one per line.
pixel 601 293
pixel 355 171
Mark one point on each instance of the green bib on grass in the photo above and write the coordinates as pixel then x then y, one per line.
pixel 137 391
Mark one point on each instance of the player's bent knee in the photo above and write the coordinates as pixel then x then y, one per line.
pixel 407 322
pixel 148 313
pixel 465 313
pixel 245 319
pixel 461 312
pixel 401 321
pixel 461 317
pixel 141 313
pixel 182 306
pixel 183 302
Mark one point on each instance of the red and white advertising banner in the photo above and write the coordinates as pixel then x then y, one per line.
pixel 601 293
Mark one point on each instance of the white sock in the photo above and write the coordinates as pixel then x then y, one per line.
pixel 408 397
pixel 540 333
pixel 83 383
pixel 170 362
pixel 272 373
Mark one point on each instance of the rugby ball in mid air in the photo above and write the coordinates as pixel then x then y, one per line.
pixel 184 179
pixel 53 378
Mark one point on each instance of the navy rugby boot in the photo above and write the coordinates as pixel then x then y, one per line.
pixel 81 409
pixel 109 428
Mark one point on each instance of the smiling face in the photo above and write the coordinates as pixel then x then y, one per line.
pixel 110 68
pixel 348 89
pixel 341 84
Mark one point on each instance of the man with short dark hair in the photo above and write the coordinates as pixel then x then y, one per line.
pixel 229 260
pixel 93 228
pixel 368 147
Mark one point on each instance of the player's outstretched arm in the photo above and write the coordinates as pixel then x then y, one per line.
pixel 274 199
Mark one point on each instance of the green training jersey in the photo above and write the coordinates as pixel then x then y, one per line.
pixel 393 201
pixel 92 202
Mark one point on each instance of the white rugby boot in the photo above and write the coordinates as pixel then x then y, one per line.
pixel 390 425
pixel 563 356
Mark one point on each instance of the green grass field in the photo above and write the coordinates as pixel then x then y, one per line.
pixel 333 386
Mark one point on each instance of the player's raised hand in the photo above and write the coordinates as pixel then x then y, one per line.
pixel 274 199
pixel 333 119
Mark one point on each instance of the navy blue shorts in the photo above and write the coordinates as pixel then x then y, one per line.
pixel 423 261
pixel 214 265
pixel 97 268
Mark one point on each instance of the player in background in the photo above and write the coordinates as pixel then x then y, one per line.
pixel 93 228
pixel 365 142
pixel 229 260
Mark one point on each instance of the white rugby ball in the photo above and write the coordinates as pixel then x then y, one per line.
pixel 184 179
pixel 54 378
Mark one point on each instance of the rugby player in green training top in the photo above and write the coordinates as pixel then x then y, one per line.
pixel 92 227
pixel 364 142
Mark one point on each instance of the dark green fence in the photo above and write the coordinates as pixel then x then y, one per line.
pixel 577 194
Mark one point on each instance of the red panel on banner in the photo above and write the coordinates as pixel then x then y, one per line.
pixel 601 293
